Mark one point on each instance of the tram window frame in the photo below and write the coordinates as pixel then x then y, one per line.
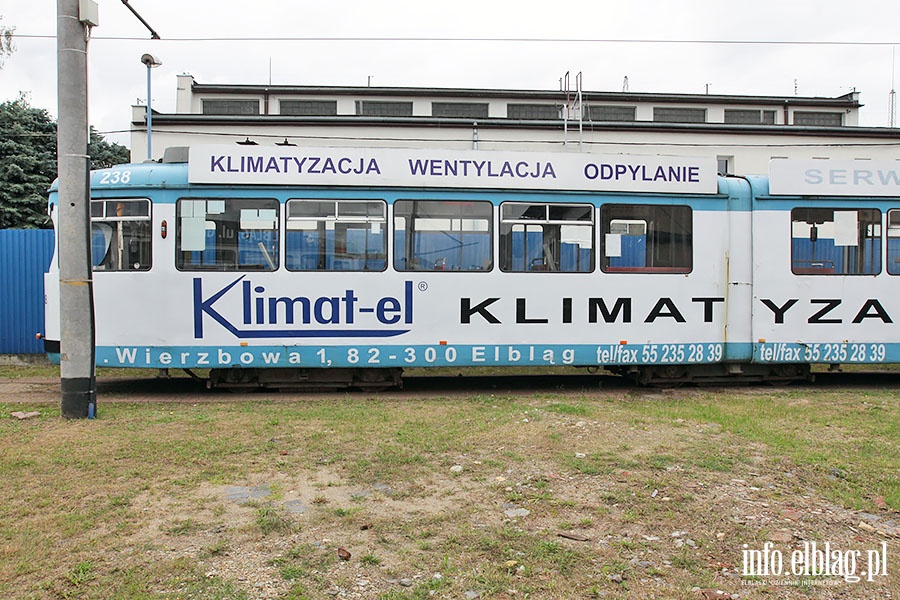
pixel 129 223
pixel 420 221
pixel 333 251
pixel 668 238
pixel 231 219
pixel 555 224
pixel 813 224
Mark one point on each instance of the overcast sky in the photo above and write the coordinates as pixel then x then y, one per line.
pixel 596 38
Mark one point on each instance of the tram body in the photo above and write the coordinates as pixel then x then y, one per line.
pixel 292 266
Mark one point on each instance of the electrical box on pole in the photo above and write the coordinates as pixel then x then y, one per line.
pixel 88 13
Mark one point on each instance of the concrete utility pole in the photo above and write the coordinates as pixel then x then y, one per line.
pixel 76 296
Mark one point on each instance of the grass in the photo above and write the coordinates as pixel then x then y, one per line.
pixel 134 504
pixel 43 369
pixel 270 519
pixel 854 434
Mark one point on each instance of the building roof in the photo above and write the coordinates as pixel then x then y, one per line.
pixel 849 100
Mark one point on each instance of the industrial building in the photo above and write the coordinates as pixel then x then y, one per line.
pixel 743 132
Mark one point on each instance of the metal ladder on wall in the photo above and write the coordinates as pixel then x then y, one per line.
pixel 574 108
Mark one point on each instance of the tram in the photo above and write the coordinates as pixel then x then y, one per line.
pixel 292 267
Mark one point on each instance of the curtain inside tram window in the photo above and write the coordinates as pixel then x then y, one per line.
pixel 101 238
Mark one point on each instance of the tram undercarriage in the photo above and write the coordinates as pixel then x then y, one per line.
pixel 305 379
pixel 723 373
pixel 364 379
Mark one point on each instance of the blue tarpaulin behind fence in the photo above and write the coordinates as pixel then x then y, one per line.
pixel 24 257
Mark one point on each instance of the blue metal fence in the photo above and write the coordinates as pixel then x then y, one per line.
pixel 24 257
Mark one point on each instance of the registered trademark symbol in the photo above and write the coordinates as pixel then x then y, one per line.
pixel 423 286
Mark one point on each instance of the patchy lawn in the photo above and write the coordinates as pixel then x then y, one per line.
pixel 532 494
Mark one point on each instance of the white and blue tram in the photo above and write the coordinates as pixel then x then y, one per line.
pixel 292 266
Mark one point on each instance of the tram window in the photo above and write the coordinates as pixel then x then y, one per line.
pixel 828 241
pixel 546 237
pixel 231 234
pixel 646 238
pixel 336 235
pixel 893 242
pixel 436 235
pixel 121 234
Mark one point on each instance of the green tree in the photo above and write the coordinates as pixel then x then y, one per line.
pixel 104 154
pixel 28 162
pixel 6 41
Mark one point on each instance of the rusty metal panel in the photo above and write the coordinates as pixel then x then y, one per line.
pixel 24 257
